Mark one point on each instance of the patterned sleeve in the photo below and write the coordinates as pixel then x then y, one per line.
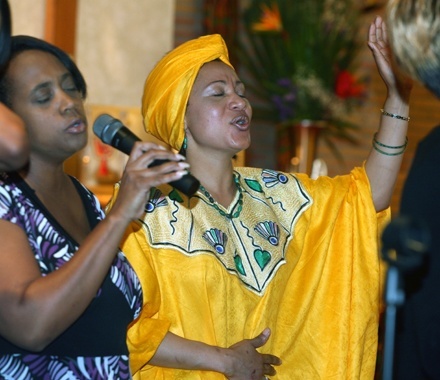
pixel 12 203
pixel 5 202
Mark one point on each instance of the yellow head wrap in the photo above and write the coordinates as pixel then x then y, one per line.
pixel 167 88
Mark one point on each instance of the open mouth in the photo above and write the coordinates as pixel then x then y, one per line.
pixel 241 121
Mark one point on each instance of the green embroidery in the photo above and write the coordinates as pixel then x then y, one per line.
pixel 262 257
pixel 175 196
pixel 254 185
pixel 239 265
pixel 214 204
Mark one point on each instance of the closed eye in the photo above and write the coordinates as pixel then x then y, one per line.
pixel 68 85
pixel 42 96
pixel 73 91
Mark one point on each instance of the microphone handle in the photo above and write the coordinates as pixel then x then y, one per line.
pixel 188 184
pixel 124 141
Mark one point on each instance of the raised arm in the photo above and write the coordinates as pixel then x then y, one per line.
pixel 389 143
pixel 34 309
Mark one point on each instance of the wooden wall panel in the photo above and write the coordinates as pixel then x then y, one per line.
pixel 60 29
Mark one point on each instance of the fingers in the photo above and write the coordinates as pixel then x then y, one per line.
pixel 139 176
pixel 269 362
pixel 377 33
pixel 372 33
pixel 268 370
pixel 271 359
pixel 158 160
pixel 261 339
pixel 150 151
pixel 384 32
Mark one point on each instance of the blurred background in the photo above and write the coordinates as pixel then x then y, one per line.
pixel 116 44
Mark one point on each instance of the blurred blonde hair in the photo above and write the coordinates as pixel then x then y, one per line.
pixel 414 33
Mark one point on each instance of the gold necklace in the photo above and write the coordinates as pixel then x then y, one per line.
pixel 214 204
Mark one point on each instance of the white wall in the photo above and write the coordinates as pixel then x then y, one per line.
pixel 117 42
pixel 28 17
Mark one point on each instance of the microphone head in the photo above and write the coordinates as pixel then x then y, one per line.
pixel 106 127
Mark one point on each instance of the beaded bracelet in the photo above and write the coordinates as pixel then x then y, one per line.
pixel 394 115
pixel 376 143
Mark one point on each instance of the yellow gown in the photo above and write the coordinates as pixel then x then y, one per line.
pixel 301 258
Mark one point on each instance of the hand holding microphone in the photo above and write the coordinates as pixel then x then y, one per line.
pixel 111 131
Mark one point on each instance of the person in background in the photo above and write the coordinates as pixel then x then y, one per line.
pixel 255 249
pixel 14 142
pixel 67 293
pixel 415 40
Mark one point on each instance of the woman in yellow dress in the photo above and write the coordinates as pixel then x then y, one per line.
pixel 258 264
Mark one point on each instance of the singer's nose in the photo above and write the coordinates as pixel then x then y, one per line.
pixel 66 102
pixel 238 102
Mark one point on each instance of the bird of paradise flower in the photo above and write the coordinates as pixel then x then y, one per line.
pixel 270 20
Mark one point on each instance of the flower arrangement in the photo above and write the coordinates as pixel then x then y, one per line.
pixel 300 55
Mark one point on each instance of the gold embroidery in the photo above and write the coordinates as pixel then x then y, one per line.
pixel 251 247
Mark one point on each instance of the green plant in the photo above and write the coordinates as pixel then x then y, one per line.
pixel 301 56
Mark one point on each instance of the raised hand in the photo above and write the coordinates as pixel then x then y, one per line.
pixel 378 43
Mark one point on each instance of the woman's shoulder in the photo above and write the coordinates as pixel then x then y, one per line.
pixel 274 180
pixel 272 183
pixel 267 178
pixel 258 174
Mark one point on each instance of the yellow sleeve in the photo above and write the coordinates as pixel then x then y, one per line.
pixel 145 334
pixel 345 268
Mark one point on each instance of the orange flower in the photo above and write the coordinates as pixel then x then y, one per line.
pixel 347 87
pixel 270 20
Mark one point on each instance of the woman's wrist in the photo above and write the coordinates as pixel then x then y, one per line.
pixel 399 96
pixel 223 361
pixel 178 352
pixel 396 105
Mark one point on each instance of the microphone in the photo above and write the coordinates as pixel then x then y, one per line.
pixel 112 132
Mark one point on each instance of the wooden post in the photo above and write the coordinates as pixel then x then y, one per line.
pixel 60 30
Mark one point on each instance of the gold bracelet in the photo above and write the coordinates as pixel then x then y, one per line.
pixel 394 115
